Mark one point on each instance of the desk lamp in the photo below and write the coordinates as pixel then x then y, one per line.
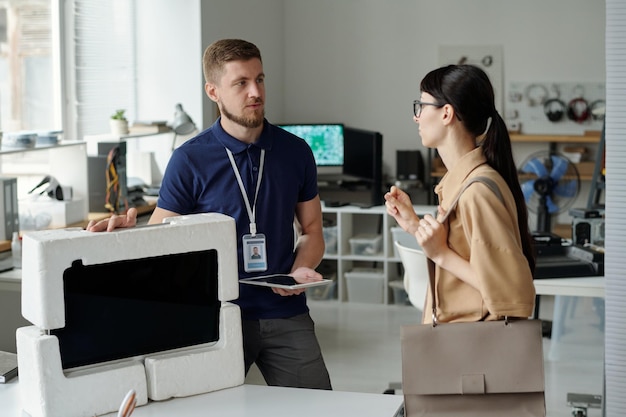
pixel 182 124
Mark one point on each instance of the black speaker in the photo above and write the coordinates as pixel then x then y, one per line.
pixel 409 165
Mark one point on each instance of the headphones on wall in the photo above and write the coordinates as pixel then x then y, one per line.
pixel 554 109
pixel 597 109
pixel 578 110
pixel 536 94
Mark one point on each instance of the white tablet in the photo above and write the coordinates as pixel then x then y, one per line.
pixel 282 281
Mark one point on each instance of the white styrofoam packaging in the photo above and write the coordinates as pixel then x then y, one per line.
pixel 365 285
pixel 192 371
pixel 49 391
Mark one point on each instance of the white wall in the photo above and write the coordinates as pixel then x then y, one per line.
pixel 260 22
pixel 172 37
pixel 360 61
pixel 169 68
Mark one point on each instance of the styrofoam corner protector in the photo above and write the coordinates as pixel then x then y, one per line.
pixel 200 370
pixel 47 392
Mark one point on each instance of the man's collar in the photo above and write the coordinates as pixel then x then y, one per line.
pixel 236 146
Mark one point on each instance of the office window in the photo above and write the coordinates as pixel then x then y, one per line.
pixel 100 64
pixel 85 46
pixel 26 77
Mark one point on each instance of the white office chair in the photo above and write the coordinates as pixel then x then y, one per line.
pixel 416 278
pixel 416 282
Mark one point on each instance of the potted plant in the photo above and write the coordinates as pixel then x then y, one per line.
pixel 119 124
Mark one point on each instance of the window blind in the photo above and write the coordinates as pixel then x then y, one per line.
pixel 26 83
pixel 615 262
pixel 102 63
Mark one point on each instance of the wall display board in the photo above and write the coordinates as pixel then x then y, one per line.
pixel 487 57
pixel 557 108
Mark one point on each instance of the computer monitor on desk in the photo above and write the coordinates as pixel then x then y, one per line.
pixel 326 142
pixel 362 168
pixel 346 157
pixel 363 159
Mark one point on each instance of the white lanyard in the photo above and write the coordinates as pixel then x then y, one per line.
pixel 251 210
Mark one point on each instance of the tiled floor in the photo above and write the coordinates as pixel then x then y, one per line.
pixel 361 346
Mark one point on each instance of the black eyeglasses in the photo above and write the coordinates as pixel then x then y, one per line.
pixel 417 106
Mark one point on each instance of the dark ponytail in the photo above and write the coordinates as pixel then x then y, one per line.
pixel 496 147
pixel 468 90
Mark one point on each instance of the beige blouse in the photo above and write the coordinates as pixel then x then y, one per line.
pixel 485 232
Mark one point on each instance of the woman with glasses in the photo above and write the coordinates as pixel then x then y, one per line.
pixel 482 251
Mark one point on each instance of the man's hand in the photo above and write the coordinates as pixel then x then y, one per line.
pixel 302 275
pixel 114 222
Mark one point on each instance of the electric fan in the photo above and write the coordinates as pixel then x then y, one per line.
pixel 550 184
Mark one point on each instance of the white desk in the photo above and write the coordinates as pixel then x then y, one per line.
pixel 247 400
pixel 577 287
pixel 568 287
pixel 10 308
pixel 11 280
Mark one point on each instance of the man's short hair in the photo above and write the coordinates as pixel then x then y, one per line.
pixel 225 50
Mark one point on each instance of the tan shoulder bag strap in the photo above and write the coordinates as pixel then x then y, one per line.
pixel 431 265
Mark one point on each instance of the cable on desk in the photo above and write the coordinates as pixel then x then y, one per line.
pixel 114 190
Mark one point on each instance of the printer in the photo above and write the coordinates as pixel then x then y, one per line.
pixel 558 259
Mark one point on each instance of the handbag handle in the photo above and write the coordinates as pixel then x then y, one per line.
pixel 431 265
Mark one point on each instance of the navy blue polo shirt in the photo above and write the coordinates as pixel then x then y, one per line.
pixel 200 179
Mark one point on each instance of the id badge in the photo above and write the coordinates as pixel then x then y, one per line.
pixel 254 254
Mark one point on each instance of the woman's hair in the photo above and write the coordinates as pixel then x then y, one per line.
pixel 225 50
pixel 468 90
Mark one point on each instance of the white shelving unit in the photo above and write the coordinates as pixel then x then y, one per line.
pixel 34 163
pixel 66 161
pixel 353 221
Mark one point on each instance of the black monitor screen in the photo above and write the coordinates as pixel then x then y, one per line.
pixel 364 159
pixel 363 154
pixel 326 141
pixel 135 307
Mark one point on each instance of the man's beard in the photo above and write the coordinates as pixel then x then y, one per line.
pixel 250 122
